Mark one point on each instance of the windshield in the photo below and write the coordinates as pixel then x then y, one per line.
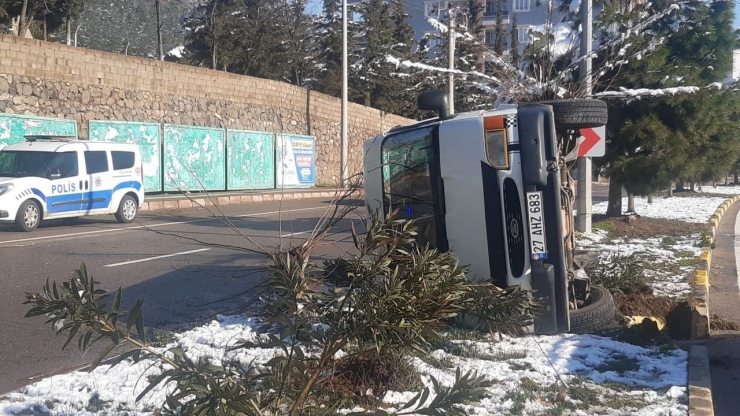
pixel 17 164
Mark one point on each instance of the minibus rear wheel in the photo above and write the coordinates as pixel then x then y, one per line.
pixel 579 113
pixel 598 314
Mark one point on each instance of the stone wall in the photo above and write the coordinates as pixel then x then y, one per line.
pixel 49 79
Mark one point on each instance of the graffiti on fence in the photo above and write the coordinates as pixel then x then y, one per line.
pixel 14 127
pixel 250 160
pixel 194 158
pixel 146 135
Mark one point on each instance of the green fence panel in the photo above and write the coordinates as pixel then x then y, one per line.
pixel 250 160
pixel 149 138
pixel 194 158
pixel 14 127
pixel 296 160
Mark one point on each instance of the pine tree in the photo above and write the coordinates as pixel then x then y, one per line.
pixel 653 143
pixel 514 54
pixel 500 32
pixel 328 69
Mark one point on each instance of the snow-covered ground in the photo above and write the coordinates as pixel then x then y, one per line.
pixel 604 376
pixel 689 209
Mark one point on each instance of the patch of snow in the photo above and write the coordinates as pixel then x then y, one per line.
pixel 177 52
pixel 696 210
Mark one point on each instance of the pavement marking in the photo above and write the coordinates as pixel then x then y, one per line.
pixel 157 257
pixel 139 227
pixel 298 233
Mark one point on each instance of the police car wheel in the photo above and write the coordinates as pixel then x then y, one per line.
pixel 127 210
pixel 28 217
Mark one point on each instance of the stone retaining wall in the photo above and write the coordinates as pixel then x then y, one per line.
pixel 54 80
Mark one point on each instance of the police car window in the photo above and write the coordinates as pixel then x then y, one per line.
pixel 96 161
pixel 122 160
pixel 64 165
pixel 407 180
pixel 17 164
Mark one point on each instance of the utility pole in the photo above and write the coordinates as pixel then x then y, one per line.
pixel 451 57
pixel 345 115
pixel 583 203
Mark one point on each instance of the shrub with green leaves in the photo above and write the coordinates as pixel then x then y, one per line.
pixel 399 298
pixel 620 273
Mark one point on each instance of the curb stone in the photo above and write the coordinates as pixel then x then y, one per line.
pixel 198 200
pixel 700 384
pixel 699 278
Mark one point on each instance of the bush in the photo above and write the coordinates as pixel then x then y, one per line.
pixel 399 299
pixel 620 273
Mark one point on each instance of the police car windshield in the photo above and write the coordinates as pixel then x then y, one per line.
pixel 17 164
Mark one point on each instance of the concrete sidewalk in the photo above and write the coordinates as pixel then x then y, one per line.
pixel 724 295
pixel 157 202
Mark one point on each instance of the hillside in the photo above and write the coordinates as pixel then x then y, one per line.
pixel 110 25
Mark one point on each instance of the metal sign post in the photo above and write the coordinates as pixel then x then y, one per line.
pixel 583 194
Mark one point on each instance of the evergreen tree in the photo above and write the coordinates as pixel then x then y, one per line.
pixel 329 46
pixel 514 54
pixel 654 143
pixel 500 45
pixel 369 64
pixel 299 45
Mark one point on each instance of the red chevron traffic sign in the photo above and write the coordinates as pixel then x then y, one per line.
pixel 592 142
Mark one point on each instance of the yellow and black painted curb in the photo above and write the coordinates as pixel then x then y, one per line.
pixel 699 385
pixel 699 278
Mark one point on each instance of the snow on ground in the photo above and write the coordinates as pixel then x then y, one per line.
pixel 689 209
pixel 667 261
pixel 613 378
pixel 651 383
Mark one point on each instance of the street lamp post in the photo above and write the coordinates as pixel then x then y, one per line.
pixel 344 122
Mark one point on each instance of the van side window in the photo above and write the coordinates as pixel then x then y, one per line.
pixel 96 161
pixel 64 164
pixel 122 160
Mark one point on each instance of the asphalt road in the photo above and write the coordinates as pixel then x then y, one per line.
pixel 176 260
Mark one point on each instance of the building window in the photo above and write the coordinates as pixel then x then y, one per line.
pixel 433 41
pixel 522 34
pixel 431 9
pixel 490 37
pixel 521 5
pixel 491 7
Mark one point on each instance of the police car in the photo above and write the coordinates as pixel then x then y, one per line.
pixel 493 186
pixel 50 177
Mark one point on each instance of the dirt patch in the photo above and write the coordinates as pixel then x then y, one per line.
pixel 641 227
pixel 365 378
pixel 675 313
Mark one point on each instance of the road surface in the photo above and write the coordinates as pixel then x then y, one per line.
pixel 176 260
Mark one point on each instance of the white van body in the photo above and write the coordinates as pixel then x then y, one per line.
pixel 48 178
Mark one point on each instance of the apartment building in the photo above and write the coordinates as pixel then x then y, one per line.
pixel 529 14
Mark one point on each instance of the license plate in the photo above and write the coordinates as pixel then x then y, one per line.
pixel 536 226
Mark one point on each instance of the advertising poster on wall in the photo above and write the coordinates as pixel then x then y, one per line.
pixel 296 160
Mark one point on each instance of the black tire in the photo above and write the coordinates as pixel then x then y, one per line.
pixel 127 210
pixel 28 217
pixel 579 113
pixel 598 315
